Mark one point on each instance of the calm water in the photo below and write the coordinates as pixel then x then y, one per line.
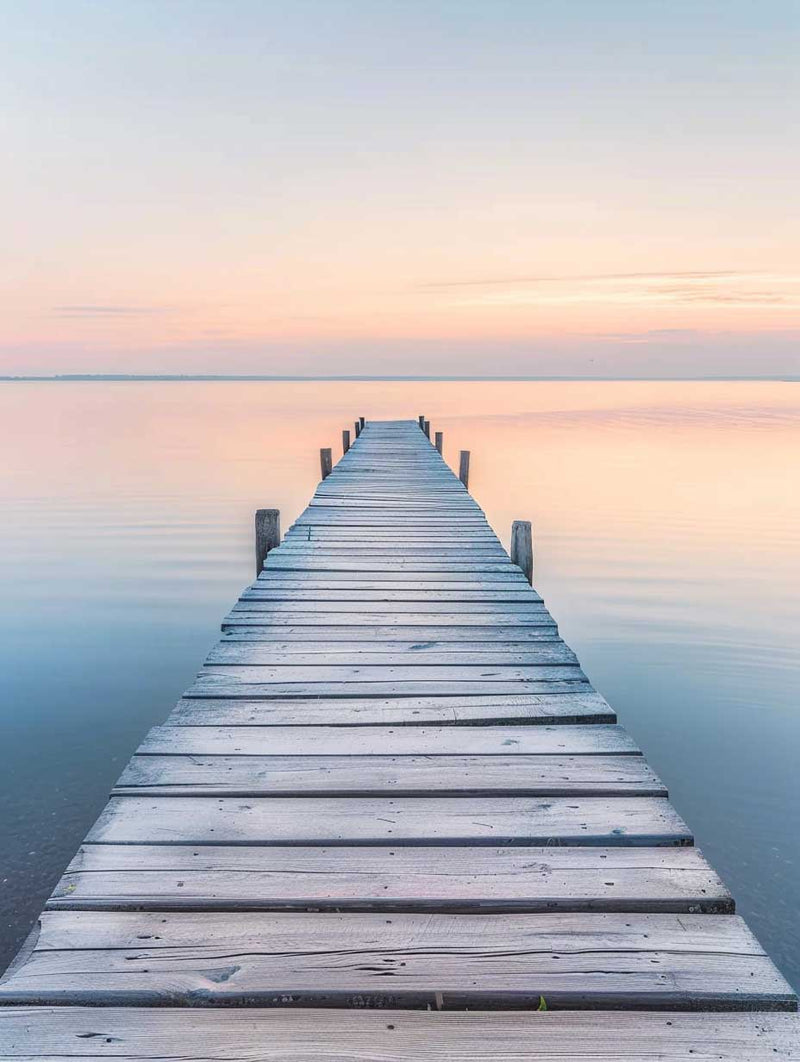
pixel 666 522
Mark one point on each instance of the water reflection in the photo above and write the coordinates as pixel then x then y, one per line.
pixel 665 519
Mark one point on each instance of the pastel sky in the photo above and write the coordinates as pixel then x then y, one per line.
pixel 489 187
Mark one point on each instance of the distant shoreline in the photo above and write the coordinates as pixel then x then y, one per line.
pixel 199 378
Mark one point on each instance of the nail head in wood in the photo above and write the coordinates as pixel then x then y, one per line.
pixel 325 461
pixel 463 467
pixel 522 547
pixel 268 534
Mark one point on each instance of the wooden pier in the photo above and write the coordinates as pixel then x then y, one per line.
pixel 392 820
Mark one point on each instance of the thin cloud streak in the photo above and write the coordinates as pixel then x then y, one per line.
pixel 729 289
pixel 109 311
pixel 721 274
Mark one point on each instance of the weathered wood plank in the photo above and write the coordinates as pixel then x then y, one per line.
pixel 401 598
pixel 355 674
pixel 226 685
pixel 193 775
pixel 623 961
pixel 389 820
pixel 588 707
pixel 179 877
pixel 253 601
pixel 398 642
pixel 253 614
pixel 262 1035
pixel 250 653
pixel 501 579
pixel 262 628
pixel 569 740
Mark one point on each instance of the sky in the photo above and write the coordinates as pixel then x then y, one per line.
pixel 400 187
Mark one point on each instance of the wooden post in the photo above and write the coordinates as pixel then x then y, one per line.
pixel 268 534
pixel 421 419
pixel 463 467
pixel 522 547
pixel 345 441
pixel 440 441
pixel 358 429
pixel 426 427
pixel 362 422
pixel 325 462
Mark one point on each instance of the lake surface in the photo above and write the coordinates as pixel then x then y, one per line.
pixel 666 521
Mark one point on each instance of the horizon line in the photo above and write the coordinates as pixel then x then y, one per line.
pixel 362 378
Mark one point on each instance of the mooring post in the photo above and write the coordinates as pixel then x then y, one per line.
pixel 268 534
pixel 325 462
pixel 426 427
pixel 522 547
pixel 358 429
pixel 362 422
pixel 421 420
pixel 440 441
pixel 463 467
pixel 345 441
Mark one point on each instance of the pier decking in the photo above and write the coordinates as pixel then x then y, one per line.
pixel 392 788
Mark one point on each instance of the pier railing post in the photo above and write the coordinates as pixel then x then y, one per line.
pixel 362 422
pixel 268 534
pixel 358 428
pixel 345 441
pixel 426 427
pixel 440 441
pixel 463 467
pixel 421 419
pixel 325 461
pixel 522 547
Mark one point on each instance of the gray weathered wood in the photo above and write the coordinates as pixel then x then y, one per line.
pixel 255 615
pixel 335 820
pixel 345 441
pixel 463 467
pixel 547 739
pixel 530 709
pixel 325 461
pixel 580 960
pixel 193 775
pixel 439 438
pixel 387 654
pixel 355 674
pixel 487 878
pixel 522 547
pixel 263 1035
pixel 268 534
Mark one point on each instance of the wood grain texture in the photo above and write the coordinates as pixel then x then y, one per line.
pixel 389 820
pixel 193 775
pixel 530 709
pixel 410 960
pixel 386 654
pixel 467 879
pixel 567 740
pixel 264 1035
pixel 251 614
